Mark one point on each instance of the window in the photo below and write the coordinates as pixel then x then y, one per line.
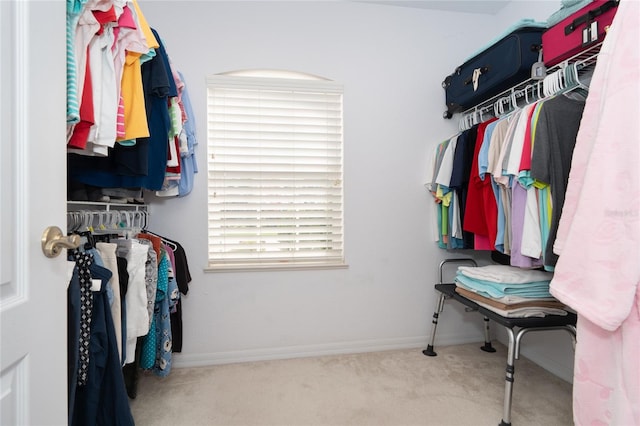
pixel 275 185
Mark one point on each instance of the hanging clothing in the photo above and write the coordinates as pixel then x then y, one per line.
pixel 123 279
pixel 182 279
pixel 508 174
pixel 130 46
pixel 522 194
pixel 555 139
pixel 460 175
pixel 440 197
pixel 150 276
pixel 598 237
pixel 475 216
pixel 102 399
pixel 143 164
pixel 74 10
pixel 122 87
pixel 156 350
pixel 189 166
pixel 80 133
pixel 108 253
pixel 136 298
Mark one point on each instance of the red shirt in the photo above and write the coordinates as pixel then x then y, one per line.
pixel 481 213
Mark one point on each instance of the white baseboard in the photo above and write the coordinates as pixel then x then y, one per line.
pixel 181 360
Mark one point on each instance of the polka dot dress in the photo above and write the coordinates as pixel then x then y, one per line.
pixel 149 347
pixel 156 350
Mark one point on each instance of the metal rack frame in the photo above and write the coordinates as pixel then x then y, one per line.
pixel 103 217
pixel 516 328
pixel 528 91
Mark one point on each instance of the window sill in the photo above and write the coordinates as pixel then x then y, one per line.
pixel 273 268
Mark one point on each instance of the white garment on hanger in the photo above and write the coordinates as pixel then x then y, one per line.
pixel 136 298
pixel 108 254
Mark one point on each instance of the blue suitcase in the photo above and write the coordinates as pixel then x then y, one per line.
pixel 500 66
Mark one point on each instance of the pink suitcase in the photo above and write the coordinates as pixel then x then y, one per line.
pixel 577 32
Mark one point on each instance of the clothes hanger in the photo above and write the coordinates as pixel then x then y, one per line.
pixel 100 226
pixel 547 85
pixel 514 101
pixel 138 220
pixel 465 122
pixel 540 90
pixel 144 220
pixel 72 222
pixel 577 89
pixel 164 240
pixel 526 93
pixel 499 107
pixel 85 229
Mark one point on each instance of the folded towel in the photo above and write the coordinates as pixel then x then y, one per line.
pixel 496 290
pixel 566 10
pixel 527 303
pixel 522 23
pixel 505 274
pixel 524 312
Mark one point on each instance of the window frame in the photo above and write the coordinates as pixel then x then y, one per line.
pixel 275 81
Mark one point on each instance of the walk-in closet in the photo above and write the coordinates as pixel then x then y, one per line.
pixel 270 209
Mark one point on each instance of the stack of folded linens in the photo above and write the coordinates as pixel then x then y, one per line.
pixel 509 291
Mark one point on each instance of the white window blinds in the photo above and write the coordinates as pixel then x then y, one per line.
pixel 274 172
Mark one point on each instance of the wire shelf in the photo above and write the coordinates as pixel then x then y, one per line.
pixel 526 92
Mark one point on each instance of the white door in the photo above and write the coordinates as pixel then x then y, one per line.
pixel 33 354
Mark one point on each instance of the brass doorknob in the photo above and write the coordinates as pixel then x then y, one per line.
pixel 53 240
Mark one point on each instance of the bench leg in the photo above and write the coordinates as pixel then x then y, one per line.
pixel 513 354
pixel 434 324
pixel 508 384
pixel 487 338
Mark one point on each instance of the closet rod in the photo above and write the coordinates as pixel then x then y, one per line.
pixel 97 205
pixel 107 221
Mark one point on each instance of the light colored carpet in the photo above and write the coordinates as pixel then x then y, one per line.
pixel 461 386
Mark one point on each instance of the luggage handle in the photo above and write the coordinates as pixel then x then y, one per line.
pixel 483 70
pixel 590 15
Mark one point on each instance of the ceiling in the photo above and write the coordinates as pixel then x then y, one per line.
pixel 490 7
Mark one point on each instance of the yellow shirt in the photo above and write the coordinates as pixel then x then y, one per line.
pixel 135 112
pixel 144 26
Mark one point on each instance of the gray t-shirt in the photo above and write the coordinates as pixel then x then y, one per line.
pixel 555 138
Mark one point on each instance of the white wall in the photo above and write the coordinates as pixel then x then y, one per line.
pixel 391 61
pixel 539 10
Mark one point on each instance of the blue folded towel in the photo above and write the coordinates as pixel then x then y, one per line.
pixel 568 8
pixel 539 289
pixel 522 23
